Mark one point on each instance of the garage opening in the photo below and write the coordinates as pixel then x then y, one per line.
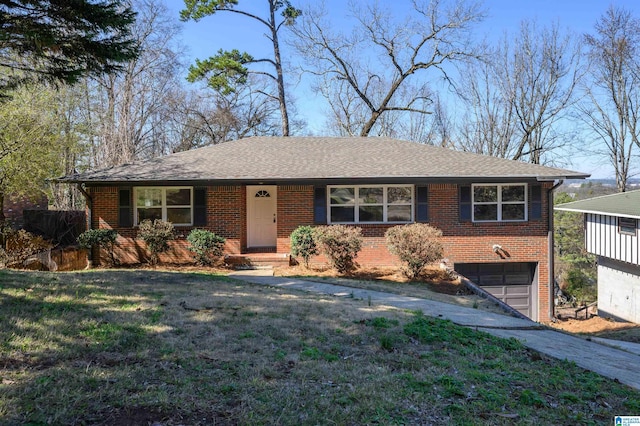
pixel 513 283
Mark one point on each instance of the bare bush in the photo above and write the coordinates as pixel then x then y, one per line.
pixel 340 244
pixel 22 244
pixel 417 245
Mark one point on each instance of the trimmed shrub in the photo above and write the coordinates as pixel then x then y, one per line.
pixel 206 246
pixel 303 243
pixel 417 245
pixel 340 244
pixel 102 238
pixel 156 235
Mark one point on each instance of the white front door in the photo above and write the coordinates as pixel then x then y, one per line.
pixel 262 205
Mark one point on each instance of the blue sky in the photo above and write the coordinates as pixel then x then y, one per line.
pixel 229 31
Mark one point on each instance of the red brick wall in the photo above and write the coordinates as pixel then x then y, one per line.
pixel 464 242
pixel 467 242
pixel 295 208
pixel 14 205
pixel 226 212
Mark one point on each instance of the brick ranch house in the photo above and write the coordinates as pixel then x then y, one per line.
pixel 494 213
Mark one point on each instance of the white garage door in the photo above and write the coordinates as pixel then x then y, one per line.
pixel 513 283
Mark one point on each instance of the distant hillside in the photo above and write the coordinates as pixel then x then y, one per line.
pixel 588 188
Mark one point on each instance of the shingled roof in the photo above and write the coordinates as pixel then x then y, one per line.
pixel 624 204
pixel 320 158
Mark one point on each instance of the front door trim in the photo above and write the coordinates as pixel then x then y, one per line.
pixel 262 225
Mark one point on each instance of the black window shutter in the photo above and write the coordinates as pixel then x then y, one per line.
pixel 465 203
pixel 422 205
pixel 536 202
pixel 125 210
pixel 199 206
pixel 320 205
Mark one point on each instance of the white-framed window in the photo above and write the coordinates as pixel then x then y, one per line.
pixel 499 202
pixel 171 204
pixel 627 225
pixel 370 203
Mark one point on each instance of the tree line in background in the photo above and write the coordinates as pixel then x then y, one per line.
pixel 102 84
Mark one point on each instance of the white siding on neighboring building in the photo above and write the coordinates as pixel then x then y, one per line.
pixel 618 290
pixel 603 239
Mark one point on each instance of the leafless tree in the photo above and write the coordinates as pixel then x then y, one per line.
pixel 202 118
pixel 541 75
pixel 361 73
pixel 517 98
pixel 488 125
pixel 126 109
pixel 612 104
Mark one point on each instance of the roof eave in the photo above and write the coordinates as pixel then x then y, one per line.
pixel 291 180
pixel 600 212
pixel 565 177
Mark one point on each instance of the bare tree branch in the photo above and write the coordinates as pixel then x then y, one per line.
pixel 381 55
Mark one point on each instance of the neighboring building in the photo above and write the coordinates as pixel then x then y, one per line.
pixel 15 205
pixel 611 233
pixel 494 213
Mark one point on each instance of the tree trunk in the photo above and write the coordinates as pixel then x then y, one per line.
pixel 278 64
pixel 3 218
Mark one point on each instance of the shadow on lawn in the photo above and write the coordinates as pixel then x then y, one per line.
pixel 71 342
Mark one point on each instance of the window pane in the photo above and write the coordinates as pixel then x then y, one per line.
pixel 513 212
pixel 342 214
pixel 179 215
pixel 399 214
pixel 485 212
pixel 399 195
pixel 627 225
pixel 150 214
pixel 370 196
pixel 371 214
pixel 148 197
pixel 513 193
pixel 485 194
pixel 179 197
pixel 342 195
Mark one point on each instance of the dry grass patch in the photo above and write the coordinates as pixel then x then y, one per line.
pixel 166 348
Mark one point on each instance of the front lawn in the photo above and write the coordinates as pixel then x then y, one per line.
pixel 145 347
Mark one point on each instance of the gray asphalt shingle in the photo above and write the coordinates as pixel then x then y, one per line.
pixel 293 158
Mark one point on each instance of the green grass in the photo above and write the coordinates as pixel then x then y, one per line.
pixel 138 347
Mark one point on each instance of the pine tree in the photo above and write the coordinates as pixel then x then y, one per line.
pixel 63 40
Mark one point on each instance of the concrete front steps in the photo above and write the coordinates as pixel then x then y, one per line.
pixel 257 260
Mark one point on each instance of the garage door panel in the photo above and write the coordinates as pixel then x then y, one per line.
pixel 517 267
pixel 519 279
pixel 497 291
pixel 490 268
pixel 518 302
pixel 511 283
pixel 519 290
pixel 486 280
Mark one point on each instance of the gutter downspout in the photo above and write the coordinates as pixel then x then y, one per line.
pixel 89 202
pixel 551 239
